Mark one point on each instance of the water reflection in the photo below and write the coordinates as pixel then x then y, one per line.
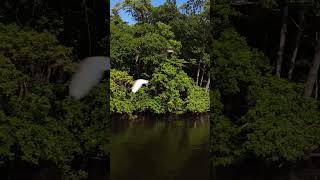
pixel 162 148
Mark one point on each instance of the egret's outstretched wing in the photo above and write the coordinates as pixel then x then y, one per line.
pixel 138 84
pixel 88 75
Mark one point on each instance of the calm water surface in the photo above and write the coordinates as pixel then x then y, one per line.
pixel 162 148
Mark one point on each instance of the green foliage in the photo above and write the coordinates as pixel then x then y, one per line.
pixel 31 51
pixel 280 125
pixel 141 51
pixel 220 11
pixel 70 174
pixel 169 92
pixel 176 90
pixel 165 13
pixel 224 135
pixel 197 102
pixel 38 121
pixel 120 97
pixel 270 4
pixel 235 64
pixel 140 10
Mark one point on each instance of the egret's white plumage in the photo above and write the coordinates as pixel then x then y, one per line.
pixel 89 73
pixel 138 84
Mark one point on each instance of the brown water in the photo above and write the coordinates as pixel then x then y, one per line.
pixel 162 148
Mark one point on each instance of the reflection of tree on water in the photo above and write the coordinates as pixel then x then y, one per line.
pixel 201 121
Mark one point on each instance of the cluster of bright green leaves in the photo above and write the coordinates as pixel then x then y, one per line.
pixel 120 97
pixel 176 91
pixel 170 91
pixel 198 100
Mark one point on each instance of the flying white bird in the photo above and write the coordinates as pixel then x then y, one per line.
pixel 89 73
pixel 138 84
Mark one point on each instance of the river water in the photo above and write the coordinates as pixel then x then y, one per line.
pixel 160 148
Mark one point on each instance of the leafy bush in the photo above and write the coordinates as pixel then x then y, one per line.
pixel 279 124
pixel 283 123
pixel 141 51
pixel 170 91
pixel 38 121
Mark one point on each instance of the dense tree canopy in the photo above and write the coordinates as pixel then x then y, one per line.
pixel 41 43
pixel 257 112
pixel 165 46
pixel 38 121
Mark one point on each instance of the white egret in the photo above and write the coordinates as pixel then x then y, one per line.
pixel 138 84
pixel 89 73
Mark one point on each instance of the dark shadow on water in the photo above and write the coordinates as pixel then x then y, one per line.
pixel 254 170
pixel 97 169
pixel 160 148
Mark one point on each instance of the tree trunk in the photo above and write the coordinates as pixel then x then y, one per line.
pixel 295 51
pixel 198 74
pixel 34 8
pixel 317 89
pixel 208 83
pixel 88 26
pixel 203 71
pixel 313 72
pixel 43 74
pixel 32 70
pixel 283 35
pixel 137 64
pixel 48 73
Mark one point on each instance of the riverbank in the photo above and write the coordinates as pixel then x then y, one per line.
pixel 149 115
